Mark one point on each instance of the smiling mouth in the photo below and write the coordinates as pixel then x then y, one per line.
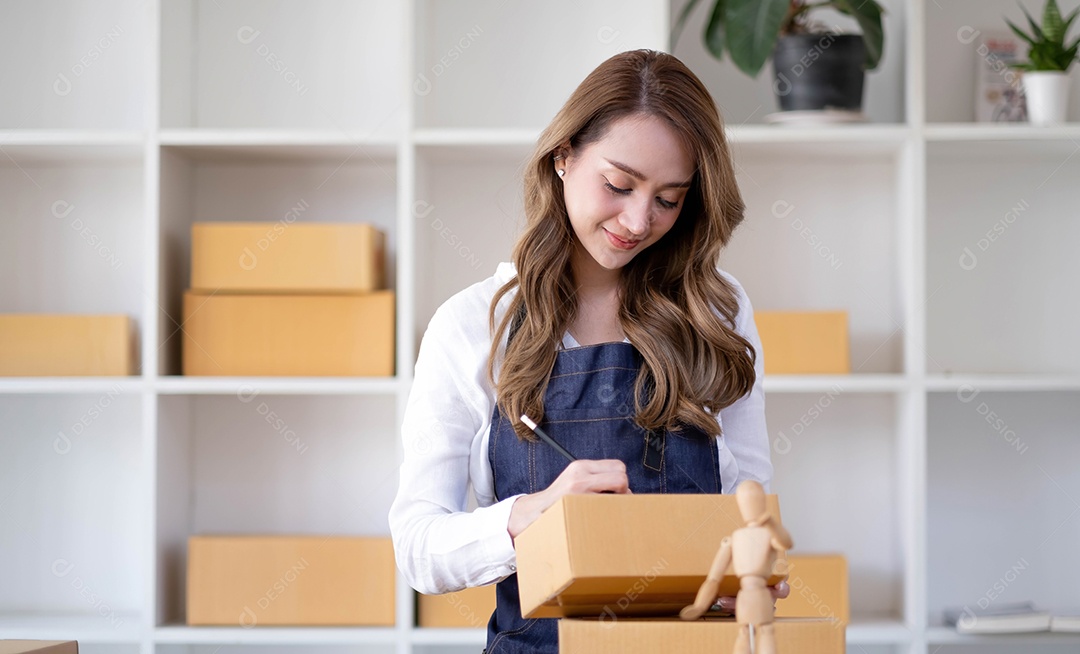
pixel 621 242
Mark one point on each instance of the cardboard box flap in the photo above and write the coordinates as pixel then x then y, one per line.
pixel 594 554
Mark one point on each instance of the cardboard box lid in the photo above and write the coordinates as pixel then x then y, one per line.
pixel 704 636
pixel 819 587
pixel 39 646
pixel 596 554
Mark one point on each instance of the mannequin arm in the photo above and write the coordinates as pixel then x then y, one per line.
pixel 781 539
pixel 707 594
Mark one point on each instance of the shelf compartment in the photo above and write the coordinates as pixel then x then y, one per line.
pixel 475 66
pixel 815 436
pixel 745 101
pixel 951 54
pixel 983 218
pixel 468 213
pixel 832 263
pixel 74 235
pixel 76 65
pixel 998 458
pixel 280 184
pixel 286 64
pixel 70 489
pixel 264 463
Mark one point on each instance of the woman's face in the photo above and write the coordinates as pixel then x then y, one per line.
pixel 624 192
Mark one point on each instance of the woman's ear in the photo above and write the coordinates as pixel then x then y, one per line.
pixel 560 156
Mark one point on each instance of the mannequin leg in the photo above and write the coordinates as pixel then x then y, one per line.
pixel 742 641
pixel 765 639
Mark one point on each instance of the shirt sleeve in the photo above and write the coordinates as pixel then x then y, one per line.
pixel 745 436
pixel 439 546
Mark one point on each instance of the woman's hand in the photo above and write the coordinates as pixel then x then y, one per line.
pixel 581 476
pixel 779 591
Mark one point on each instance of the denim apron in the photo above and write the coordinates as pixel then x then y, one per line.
pixel 588 409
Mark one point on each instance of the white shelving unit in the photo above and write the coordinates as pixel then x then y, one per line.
pixel 942 467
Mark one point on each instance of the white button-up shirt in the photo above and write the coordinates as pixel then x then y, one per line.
pixel 440 545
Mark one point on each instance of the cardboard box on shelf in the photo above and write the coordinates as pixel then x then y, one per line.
pixel 39 647
pixel 66 345
pixel 290 580
pixel 331 335
pixel 804 343
pixel 819 587
pixel 707 635
pixel 287 258
pixel 471 607
pixel 598 554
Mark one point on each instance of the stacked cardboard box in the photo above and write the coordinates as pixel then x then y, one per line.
pixel 290 580
pixel 296 299
pixel 66 345
pixel 618 568
pixel 471 607
pixel 804 343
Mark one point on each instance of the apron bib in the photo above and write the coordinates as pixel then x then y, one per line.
pixel 588 409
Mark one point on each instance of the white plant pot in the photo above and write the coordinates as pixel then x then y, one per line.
pixel 1047 95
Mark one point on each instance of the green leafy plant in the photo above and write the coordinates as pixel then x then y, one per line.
pixel 749 29
pixel 1048 50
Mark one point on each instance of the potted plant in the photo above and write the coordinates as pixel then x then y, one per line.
pixel 1045 79
pixel 815 69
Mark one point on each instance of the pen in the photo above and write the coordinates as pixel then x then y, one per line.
pixel 547 439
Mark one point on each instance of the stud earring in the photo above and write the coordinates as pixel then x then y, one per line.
pixel 562 171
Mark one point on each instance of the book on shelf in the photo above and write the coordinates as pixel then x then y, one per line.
pixel 1011 618
pixel 999 96
pixel 1069 624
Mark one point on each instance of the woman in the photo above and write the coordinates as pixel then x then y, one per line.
pixel 613 328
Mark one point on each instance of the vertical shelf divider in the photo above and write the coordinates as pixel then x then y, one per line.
pixel 406 280
pixel 151 301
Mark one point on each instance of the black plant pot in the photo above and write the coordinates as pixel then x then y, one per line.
pixel 819 71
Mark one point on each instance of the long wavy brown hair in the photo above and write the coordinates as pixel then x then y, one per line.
pixel 693 363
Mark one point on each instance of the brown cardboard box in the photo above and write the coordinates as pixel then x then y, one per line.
pixel 704 636
pixel 291 258
pixel 813 342
pixel 66 345
pixel 39 647
pixel 598 554
pixel 335 335
pixel 471 607
pixel 290 580
pixel 819 587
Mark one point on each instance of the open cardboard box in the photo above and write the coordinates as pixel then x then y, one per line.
pixel 616 555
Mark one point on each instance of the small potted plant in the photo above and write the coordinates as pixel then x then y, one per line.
pixel 1046 79
pixel 817 72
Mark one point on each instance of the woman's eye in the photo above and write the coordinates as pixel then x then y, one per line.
pixel 615 189
pixel 625 191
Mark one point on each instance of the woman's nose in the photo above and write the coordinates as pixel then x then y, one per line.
pixel 636 218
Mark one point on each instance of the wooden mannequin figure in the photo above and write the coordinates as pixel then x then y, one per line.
pixel 751 551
